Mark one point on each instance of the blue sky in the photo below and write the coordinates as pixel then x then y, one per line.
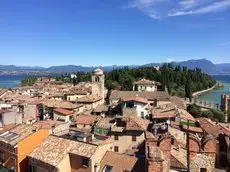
pixel 107 32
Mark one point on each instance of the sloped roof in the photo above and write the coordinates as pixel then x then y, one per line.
pixel 135 123
pixel 54 149
pixel 61 104
pixel 101 108
pixel 149 95
pixel 212 128
pixel 170 114
pixel 136 99
pixel 64 112
pixel 119 162
pixel 179 102
pixel 185 115
pixel 89 99
pixel 86 119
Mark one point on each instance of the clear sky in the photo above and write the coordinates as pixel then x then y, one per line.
pixel 107 32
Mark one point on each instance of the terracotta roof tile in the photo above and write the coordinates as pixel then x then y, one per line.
pixel 185 115
pixel 64 112
pixel 89 99
pixel 212 128
pixel 60 104
pixel 170 114
pixel 86 119
pixel 136 99
pixel 150 95
pixel 54 149
pixel 119 162
pixel 135 123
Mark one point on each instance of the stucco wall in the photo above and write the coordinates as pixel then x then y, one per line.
pixel 30 111
pixel 61 117
pixel 147 88
pixel 28 145
pixel 11 118
pixel 125 142
pixel 64 165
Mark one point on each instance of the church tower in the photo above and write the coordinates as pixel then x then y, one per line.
pixel 98 81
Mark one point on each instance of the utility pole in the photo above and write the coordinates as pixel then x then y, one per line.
pixel 187 145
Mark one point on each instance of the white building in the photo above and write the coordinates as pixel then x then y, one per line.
pixel 145 85
pixel 135 106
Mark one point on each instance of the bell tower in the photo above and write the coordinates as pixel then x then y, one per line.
pixel 98 81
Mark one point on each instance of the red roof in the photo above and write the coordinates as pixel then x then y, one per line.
pixel 86 119
pixel 136 99
pixel 63 111
pixel 164 115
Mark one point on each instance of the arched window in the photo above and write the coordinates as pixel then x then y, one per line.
pixel 97 79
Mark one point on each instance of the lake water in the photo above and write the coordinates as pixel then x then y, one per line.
pixel 10 81
pixel 214 95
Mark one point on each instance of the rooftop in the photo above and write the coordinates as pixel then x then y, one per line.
pixel 146 82
pixel 18 133
pixel 136 99
pixel 54 149
pixel 89 99
pixel 61 104
pixel 119 162
pixel 135 123
pixel 170 114
pixel 86 119
pixel 149 95
pixel 212 128
pixel 104 123
pixel 63 112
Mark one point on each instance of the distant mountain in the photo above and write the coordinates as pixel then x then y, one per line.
pixel 204 64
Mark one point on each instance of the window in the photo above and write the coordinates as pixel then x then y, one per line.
pixel 85 162
pixel 116 137
pixel 107 168
pixel 142 115
pixel 203 170
pixel 116 149
pixel 134 138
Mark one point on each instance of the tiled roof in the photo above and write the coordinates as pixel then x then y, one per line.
pixel 136 99
pixel 101 108
pixel 22 131
pixel 134 123
pixel 170 114
pixel 150 95
pixel 7 128
pixel 185 115
pixel 54 149
pixel 119 162
pixel 89 99
pixel 104 123
pixel 48 124
pixel 212 128
pixel 179 102
pixel 86 119
pixel 64 112
pixel 61 104
pixel 146 82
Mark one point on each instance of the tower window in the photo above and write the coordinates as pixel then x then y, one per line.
pixel 97 79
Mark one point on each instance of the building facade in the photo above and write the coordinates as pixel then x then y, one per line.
pixel 98 80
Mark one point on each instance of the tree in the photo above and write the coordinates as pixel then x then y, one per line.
pixel 194 110
pixel 188 91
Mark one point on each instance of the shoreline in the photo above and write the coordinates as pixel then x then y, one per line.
pixel 198 93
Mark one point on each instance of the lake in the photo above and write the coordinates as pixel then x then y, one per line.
pixel 10 81
pixel 214 95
